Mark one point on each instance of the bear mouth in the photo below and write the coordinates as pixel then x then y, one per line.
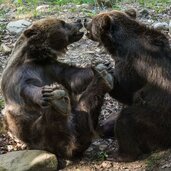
pixel 79 35
pixel 76 37
pixel 90 36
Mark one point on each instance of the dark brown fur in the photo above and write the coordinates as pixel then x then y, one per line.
pixel 45 115
pixel 142 80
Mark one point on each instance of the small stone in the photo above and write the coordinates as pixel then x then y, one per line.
pixel 9 147
pixel 96 143
pixel 5 49
pixel 170 28
pixel 102 147
pixel 90 52
pixel 85 5
pixel 161 26
pixel 166 166
pixel 105 164
pixel 89 149
pixel 98 50
pixel 42 8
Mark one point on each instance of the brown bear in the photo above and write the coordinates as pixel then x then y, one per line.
pixel 50 105
pixel 142 81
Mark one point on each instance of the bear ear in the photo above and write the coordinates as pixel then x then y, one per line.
pixel 131 13
pixel 30 32
pixel 105 22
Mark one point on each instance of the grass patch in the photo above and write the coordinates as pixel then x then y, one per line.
pixel 63 2
pixel 159 6
pixel 98 155
pixel 154 160
pixel 58 2
pixel 2 13
pixel 2 28
pixel 1 103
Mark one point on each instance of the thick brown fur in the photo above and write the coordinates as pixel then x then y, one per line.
pixel 50 105
pixel 142 80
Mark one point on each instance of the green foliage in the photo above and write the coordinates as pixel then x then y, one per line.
pixel 102 156
pixel 1 103
pixel 59 2
pixel 62 2
pixel 2 26
pixel 2 13
pixel 29 6
pixel 158 5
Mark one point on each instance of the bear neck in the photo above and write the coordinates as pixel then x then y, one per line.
pixel 142 42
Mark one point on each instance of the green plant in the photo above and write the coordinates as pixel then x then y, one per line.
pixel 102 155
pixel 63 2
pixel 31 7
pixel 2 27
pixel 2 13
pixel 116 7
pixel 1 103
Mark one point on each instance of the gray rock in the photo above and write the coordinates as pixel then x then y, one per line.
pixel 170 27
pixel 5 49
pixel 102 147
pixel 16 27
pixel 28 160
pixel 160 26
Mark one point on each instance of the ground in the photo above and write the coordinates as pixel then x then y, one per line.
pixel 83 53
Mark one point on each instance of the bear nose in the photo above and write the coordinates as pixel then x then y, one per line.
pixel 79 23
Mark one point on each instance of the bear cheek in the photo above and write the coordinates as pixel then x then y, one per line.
pixel 58 41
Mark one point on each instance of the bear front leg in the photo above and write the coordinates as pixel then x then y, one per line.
pixel 92 98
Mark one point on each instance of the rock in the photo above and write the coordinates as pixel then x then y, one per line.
pixel 42 8
pixel 144 13
pixel 83 6
pixel 28 160
pixel 16 27
pixel 170 28
pixel 5 49
pixel 102 147
pixel 160 26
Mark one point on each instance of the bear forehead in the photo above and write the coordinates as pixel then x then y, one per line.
pixel 46 23
pixel 114 13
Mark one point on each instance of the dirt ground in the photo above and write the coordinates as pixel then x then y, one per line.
pixel 84 53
